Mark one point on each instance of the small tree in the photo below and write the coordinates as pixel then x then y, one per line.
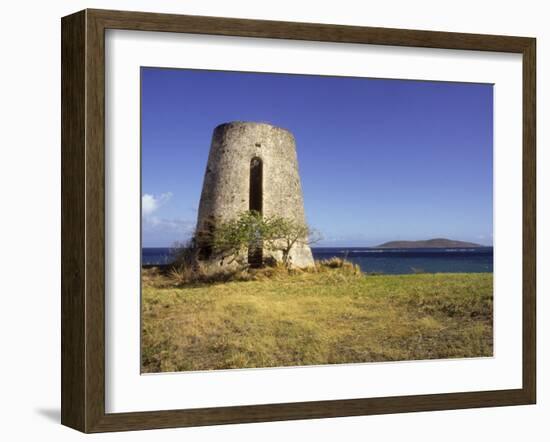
pixel 283 234
pixel 232 238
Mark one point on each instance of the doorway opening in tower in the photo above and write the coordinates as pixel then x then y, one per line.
pixel 255 203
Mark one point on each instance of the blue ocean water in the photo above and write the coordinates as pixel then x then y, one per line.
pixel 387 261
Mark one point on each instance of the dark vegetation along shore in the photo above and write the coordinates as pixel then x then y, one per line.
pixel 330 314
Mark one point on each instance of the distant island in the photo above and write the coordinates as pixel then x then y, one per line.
pixel 426 244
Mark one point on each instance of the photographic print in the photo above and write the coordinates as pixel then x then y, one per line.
pixel 295 220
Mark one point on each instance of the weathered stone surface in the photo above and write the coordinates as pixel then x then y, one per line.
pixel 226 187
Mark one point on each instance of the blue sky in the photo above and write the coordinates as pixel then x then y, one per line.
pixel 379 160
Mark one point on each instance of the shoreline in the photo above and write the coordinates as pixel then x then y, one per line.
pixel 406 261
pixel 163 268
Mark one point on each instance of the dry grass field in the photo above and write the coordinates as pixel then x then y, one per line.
pixel 331 315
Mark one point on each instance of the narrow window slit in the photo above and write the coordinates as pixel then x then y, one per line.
pixel 255 249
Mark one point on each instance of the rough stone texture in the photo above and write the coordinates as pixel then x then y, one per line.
pixel 226 186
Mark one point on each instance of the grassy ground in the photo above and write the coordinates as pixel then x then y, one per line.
pixel 326 317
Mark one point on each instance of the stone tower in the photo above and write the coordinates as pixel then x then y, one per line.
pixel 251 166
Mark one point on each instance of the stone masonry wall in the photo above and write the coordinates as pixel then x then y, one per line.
pixel 226 185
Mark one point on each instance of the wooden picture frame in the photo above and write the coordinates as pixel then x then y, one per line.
pixel 83 220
